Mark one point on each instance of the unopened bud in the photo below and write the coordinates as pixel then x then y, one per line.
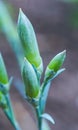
pixel 30 79
pixel 29 41
pixel 56 63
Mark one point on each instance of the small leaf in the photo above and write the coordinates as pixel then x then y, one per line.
pixel 58 72
pixel 48 117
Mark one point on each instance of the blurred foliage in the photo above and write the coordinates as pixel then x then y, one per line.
pixel 74 1
pixel 73 19
pixel 10 8
pixel 8 27
pixel 73 13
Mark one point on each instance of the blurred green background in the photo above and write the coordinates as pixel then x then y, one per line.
pixel 56 26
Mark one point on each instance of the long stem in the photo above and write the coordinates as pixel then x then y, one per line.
pixel 10 115
pixel 44 95
pixel 39 119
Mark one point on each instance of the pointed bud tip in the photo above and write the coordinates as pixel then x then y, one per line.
pixel 20 11
pixel 64 52
pixel 20 14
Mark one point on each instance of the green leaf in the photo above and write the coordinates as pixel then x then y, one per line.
pixel 48 117
pixel 58 72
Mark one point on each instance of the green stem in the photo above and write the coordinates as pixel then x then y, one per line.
pixel 39 119
pixel 44 95
pixel 9 113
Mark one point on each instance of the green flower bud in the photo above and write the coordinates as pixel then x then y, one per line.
pixel 55 64
pixel 30 80
pixel 57 61
pixel 3 73
pixel 29 42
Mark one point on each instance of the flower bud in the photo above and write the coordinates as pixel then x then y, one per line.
pixel 30 80
pixel 3 73
pixel 29 41
pixel 56 63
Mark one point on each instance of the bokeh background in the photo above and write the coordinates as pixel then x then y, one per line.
pixel 56 26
